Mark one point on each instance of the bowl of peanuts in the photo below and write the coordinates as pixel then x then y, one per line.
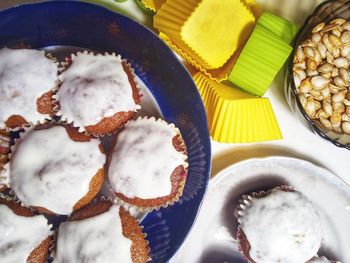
pixel 318 77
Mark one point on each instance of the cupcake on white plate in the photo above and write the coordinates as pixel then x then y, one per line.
pixel 280 225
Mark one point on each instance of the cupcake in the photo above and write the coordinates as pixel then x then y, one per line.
pixel 27 79
pixel 105 89
pixel 5 140
pixel 54 169
pixel 280 225
pixel 18 242
pixel 101 232
pixel 148 165
pixel 321 260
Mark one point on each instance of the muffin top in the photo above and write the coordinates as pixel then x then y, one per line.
pixel 281 227
pixel 48 169
pixel 144 158
pixel 25 75
pixel 99 85
pixel 20 235
pixel 94 239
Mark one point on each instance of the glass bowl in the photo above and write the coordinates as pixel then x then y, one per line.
pixel 325 12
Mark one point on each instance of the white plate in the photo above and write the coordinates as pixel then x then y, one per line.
pixel 215 228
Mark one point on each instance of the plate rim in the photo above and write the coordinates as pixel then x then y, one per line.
pixel 215 179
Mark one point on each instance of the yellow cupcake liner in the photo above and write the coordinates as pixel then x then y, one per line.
pixel 254 7
pixel 218 74
pixel 153 5
pixel 235 116
pixel 196 29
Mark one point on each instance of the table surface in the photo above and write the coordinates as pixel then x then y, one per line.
pixel 297 141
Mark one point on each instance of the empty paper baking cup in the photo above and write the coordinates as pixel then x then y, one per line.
pixel 254 7
pixel 260 61
pixel 218 74
pixel 282 28
pixel 152 5
pixel 206 30
pixel 235 116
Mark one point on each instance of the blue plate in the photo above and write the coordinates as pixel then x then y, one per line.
pixel 68 23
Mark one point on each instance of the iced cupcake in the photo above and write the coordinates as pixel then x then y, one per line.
pixel 105 89
pixel 24 236
pixel 101 232
pixel 148 165
pixel 27 79
pixel 55 169
pixel 5 140
pixel 280 225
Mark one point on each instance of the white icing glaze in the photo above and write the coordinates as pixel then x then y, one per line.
pixel 99 85
pixel 144 158
pixel 48 169
pixel 282 227
pixel 95 239
pixel 19 235
pixel 319 260
pixel 25 75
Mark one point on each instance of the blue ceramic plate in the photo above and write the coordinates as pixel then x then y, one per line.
pixel 60 24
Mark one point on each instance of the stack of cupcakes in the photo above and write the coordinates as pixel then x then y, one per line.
pixel 58 164
pixel 233 41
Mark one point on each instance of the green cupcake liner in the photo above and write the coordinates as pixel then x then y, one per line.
pixel 282 28
pixel 260 60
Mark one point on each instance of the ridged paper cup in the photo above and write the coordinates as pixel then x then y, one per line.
pixel 235 116
pixel 197 29
pixel 152 5
pixel 281 27
pixel 254 7
pixel 260 61
pixel 218 74
pixel 5 148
